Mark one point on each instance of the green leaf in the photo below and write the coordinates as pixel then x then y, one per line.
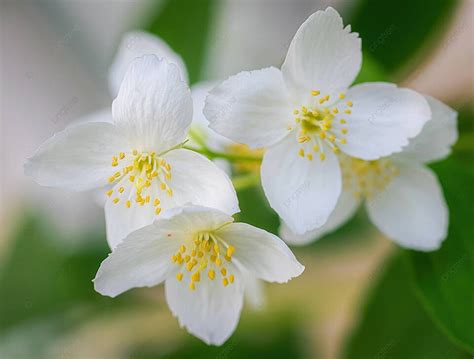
pixel 184 25
pixel 445 278
pixel 394 324
pixel 394 31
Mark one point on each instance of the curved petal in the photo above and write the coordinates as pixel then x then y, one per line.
pixel 210 313
pixel 262 254
pixel 154 105
pixel 141 260
pixel 197 180
pixel 322 56
pixel 77 158
pixel 437 136
pixel 302 192
pixel 135 44
pixel 411 210
pixel 383 118
pixel 346 206
pixel 251 107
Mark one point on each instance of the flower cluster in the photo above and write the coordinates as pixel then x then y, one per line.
pixel 324 146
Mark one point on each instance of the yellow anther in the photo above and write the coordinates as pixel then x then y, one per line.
pixel 335 110
pixel 121 189
pixel 344 130
pixel 303 139
pixel 224 271
pixel 322 100
pixel 225 282
pixel 335 149
pixel 322 135
pixel 348 111
pixel 192 286
pixel 156 202
pixel 315 93
pixel 200 254
pixel 170 192
pixel 309 156
pixel 322 156
pixel 116 200
pixel 301 152
pixel 231 278
pixel 117 174
pixel 109 192
pixel 182 248
pixel 343 141
pixel 326 97
pixel 342 121
pixel 211 274
pixel 132 178
pixel 218 262
pixel 297 120
pixel 121 155
pixel 128 204
pixel 189 266
pixel 179 276
pixel 196 277
pixel 135 152
pixel 228 258
pixel 147 199
pixel 315 148
pixel 230 251
pixel 332 138
pixel 163 186
pixel 349 103
pixel 187 258
pixel 158 211
pixel 342 96
pixel 295 112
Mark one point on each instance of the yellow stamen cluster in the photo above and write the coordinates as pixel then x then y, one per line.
pixel 146 172
pixel 321 123
pixel 366 178
pixel 204 254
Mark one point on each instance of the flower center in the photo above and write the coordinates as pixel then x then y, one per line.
pixel 321 125
pixel 146 172
pixel 366 178
pixel 204 253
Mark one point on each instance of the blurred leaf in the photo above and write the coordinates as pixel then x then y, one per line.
pixel 445 278
pixel 257 336
pixel 371 71
pixel 184 25
pixel 394 31
pixel 464 148
pixel 38 280
pixel 394 324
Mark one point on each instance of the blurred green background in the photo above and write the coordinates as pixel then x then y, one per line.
pixel 360 296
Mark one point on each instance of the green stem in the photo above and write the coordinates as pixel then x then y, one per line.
pixel 228 156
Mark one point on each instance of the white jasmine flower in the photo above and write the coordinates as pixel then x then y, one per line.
pixel 306 113
pixel 203 258
pixel 138 154
pixel 403 197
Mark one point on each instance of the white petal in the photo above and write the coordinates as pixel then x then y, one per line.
pixel 251 107
pixel 346 207
pixel 102 115
pixel 141 260
pixel 254 292
pixel 77 158
pixel 197 180
pixel 136 44
pixel 263 254
pixel 194 180
pixel 211 312
pixel 153 104
pixel 121 221
pixel 302 192
pixel 322 56
pixel 411 210
pixel 383 119
pixel 437 136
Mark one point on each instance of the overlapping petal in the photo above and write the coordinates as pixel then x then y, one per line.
pixel 154 105
pixel 302 192
pixel 323 55
pixel 136 44
pixel 383 119
pixel 251 107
